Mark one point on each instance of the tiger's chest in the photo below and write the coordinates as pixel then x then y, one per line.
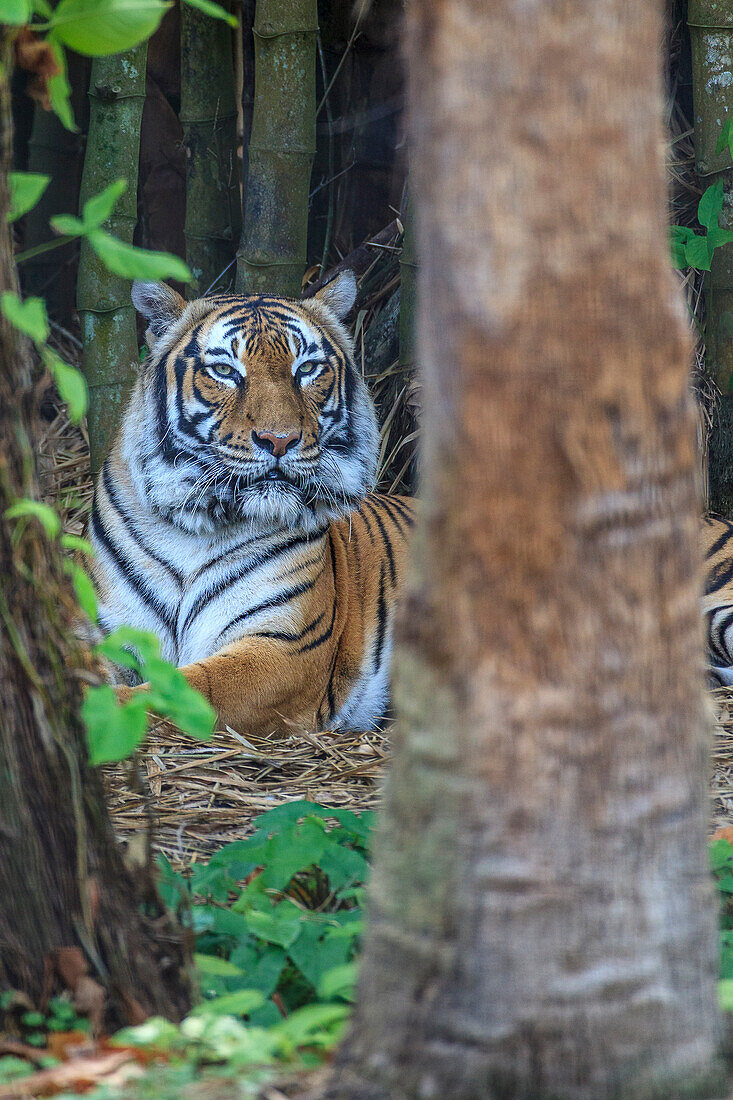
pixel 199 595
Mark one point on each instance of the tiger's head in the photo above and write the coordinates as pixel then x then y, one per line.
pixel 253 409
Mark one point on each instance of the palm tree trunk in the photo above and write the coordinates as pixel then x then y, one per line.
pixel 62 880
pixel 109 329
pixel 542 923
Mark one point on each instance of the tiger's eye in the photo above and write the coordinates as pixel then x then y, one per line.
pixel 223 370
pixel 308 368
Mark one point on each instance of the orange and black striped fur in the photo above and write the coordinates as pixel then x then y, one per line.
pixel 718 598
pixel 235 517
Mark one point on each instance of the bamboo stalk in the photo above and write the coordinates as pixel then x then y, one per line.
pixel 209 120
pixel 711 36
pixel 272 254
pixel 110 357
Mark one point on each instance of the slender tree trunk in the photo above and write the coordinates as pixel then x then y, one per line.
pixel 209 119
pixel 272 254
pixel 62 881
pixel 542 922
pixel 711 36
pixel 109 330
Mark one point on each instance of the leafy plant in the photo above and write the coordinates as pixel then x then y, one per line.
pixel 122 259
pixel 114 729
pixel 691 249
pixel 280 912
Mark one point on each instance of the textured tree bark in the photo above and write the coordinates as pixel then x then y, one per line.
pixel 541 915
pixel 62 880
pixel 109 329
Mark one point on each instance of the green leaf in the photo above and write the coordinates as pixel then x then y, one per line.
pixel 98 28
pixel 68 225
pixel 216 11
pixel 338 982
pixel 44 513
pixel 726 137
pixel 212 964
pixel 710 205
pixel 113 731
pixel 59 88
pixel 15 12
pixel 725 883
pixel 28 316
pixel 725 995
pixel 76 542
pixel 316 951
pixel 136 263
pixel 172 696
pixel 26 189
pixel 240 1003
pixel 261 965
pixel 717 237
pixel 99 207
pixel 679 235
pixel 116 646
pixel 697 254
pixel 311 1024
pixel 720 852
pixel 300 848
pixel 70 383
pixel 280 926
pixel 344 867
pixel 84 589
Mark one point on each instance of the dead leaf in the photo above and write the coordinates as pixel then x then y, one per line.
pixel 82 1073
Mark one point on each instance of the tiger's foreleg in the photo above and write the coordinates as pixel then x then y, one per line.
pixel 256 686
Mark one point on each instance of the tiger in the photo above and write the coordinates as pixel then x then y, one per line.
pixel 236 516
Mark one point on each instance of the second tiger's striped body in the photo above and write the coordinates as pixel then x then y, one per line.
pixel 263 562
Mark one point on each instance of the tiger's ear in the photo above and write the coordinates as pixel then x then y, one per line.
pixel 339 295
pixel 160 305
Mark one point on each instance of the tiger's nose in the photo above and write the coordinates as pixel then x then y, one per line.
pixel 276 445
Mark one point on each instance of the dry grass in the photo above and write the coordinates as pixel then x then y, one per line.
pixel 198 797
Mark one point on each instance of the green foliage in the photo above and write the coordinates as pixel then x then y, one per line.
pixel 216 11
pixel 726 137
pixel 278 912
pixel 122 259
pixel 114 729
pixel 721 863
pixel 30 317
pixel 36 509
pixel 276 937
pixel 26 189
pixel 691 249
pixel 101 27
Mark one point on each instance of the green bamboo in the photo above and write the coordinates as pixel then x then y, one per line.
pixel 408 291
pixel 117 95
pixel 272 255
pixel 711 36
pixel 209 120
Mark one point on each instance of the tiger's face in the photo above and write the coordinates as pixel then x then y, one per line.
pixel 260 412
